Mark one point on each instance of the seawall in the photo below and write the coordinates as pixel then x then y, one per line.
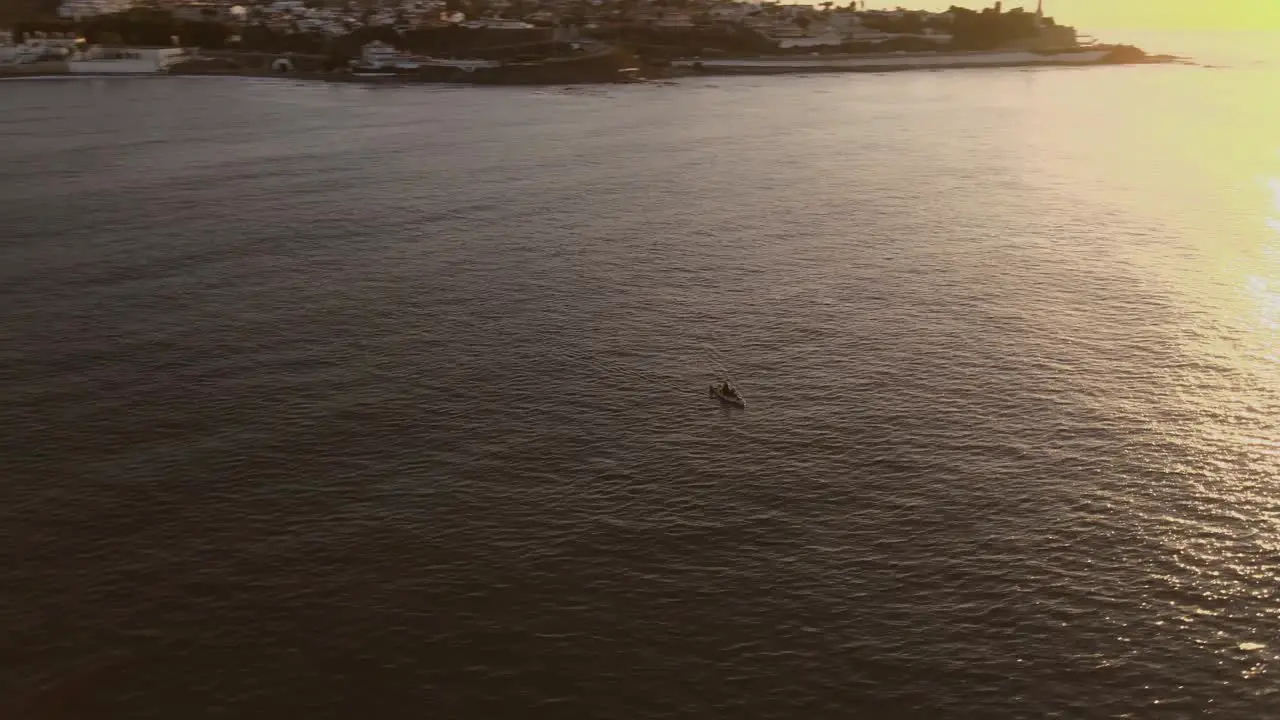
pixel 910 61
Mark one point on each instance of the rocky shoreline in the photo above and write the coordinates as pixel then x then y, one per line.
pixel 618 67
pixel 609 65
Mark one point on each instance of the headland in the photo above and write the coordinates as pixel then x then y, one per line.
pixel 530 41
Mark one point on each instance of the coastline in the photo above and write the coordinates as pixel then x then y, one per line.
pixel 955 60
pixel 612 43
pixel 575 73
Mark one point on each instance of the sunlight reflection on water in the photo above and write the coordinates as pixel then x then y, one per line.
pixel 1220 541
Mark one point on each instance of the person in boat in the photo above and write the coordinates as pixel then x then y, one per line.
pixel 727 389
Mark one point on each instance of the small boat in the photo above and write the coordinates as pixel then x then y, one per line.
pixel 735 399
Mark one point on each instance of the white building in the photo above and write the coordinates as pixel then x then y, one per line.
pixel 297 7
pixel 125 61
pixel 825 37
pixel 378 55
pixel 498 24
pixel 35 49
pixel 88 8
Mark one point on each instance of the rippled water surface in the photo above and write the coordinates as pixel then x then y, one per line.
pixel 331 401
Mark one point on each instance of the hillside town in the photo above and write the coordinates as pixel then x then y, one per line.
pixel 587 40
pixel 788 25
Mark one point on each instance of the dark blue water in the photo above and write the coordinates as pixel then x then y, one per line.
pixel 325 401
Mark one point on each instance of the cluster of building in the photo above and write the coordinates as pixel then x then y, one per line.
pixel 89 8
pixel 802 26
pixel 790 25
pixel 71 54
pixel 38 47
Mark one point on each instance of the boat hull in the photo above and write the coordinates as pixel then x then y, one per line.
pixel 727 399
